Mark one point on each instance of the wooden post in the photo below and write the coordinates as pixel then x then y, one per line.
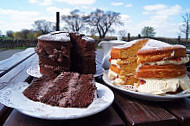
pixel 179 39
pixel 57 21
pixel 139 35
pixel 128 37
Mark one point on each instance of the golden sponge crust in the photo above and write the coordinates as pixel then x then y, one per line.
pixel 130 80
pixel 120 53
pixel 157 55
pixel 161 71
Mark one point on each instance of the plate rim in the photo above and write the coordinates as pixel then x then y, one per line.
pixel 142 96
pixel 95 75
pixel 98 85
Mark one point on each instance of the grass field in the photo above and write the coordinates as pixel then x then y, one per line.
pixel 2 49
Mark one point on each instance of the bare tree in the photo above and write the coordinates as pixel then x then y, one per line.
pixel 74 21
pixel 148 31
pixel 102 21
pixel 122 33
pixel 10 34
pixel 25 33
pixel 93 31
pixel 44 26
pixel 185 28
pixel 17 35
pixel 0 33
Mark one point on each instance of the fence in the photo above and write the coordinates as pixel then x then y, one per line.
pixel 130 38
pixel 33 43
pixel 168 40
pixel 17 43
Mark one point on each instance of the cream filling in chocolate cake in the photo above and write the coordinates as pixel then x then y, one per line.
pixel 66 90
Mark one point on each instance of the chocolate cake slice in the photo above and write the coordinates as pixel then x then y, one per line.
pixel 68 89
pixel 62 82
pixel 54 50
pixel 79 94
pixel 60 51
pixel 83 54
pixel 36 90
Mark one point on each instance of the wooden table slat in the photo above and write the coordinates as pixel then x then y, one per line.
pixel 10 78
pixel 106 118
pixel 4 113
pixel 143 113
pixel 14 60
pixel 18 73
pixel 180 109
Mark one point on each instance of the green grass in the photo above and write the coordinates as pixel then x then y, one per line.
pixel 98 47
pixel 14 48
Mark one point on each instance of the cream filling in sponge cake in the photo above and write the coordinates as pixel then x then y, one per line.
pixel 162 86
pixel 121 80
pixel 161 77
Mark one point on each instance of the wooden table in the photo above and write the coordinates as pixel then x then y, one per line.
pixel 125 110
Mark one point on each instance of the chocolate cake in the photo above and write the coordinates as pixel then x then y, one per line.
pixel 83 54
pixel 61 51
pixel 68 89
pixel 54 50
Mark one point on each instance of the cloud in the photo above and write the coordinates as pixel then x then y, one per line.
pixel 117 3
pixel 128 5
pixel 41 2
pixel 72 2
pixel 162 10
pixel 154 7
pixel 18 15
pixel 16 20
pixel 33 1
pixel 85 7
pixel 126 19
pixel 78 2
pixel 160 17
pixel 53 10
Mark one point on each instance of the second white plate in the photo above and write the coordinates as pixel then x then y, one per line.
pixel 142 95
pixel 35 71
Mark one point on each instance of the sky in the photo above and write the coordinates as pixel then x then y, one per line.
pixel 165 16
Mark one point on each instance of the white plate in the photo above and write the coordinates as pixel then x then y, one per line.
pixel 142 95
pixel 12 96
pixel 35 71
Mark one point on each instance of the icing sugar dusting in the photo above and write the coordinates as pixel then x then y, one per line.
pixel 55 36
pixel 128 44
pixel 155 44
pixel 88 39
pixel 150 45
